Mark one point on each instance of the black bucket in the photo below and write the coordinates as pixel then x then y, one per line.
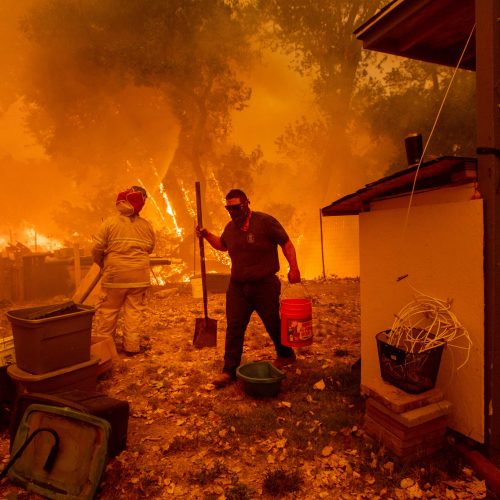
pixel 412 372
pixel 414 148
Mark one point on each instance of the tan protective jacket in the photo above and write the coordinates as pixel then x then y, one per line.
pixel 122 247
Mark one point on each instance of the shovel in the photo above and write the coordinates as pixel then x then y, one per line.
pixel 205 334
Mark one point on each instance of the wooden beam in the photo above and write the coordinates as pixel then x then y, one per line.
pixel 77 265
pixel 488 141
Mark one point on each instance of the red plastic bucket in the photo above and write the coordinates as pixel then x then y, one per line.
pixel 296 322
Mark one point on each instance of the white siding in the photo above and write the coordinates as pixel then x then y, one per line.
pixel 441 250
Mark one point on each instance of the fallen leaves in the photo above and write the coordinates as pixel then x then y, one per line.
pixel 177 417
pixel 406 483
pixel 320 385
pixel 327 451
pixel 388 468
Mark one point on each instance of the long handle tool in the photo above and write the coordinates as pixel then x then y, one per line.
pixel 205 334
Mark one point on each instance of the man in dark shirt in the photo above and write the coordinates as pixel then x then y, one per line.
pixel 252 240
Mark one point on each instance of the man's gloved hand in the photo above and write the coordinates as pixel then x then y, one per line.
pixel 201 232
pixel 294 276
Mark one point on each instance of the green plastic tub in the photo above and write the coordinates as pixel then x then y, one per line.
pixel 260 378
pixel 69 468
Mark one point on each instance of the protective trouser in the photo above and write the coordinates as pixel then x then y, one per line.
pixel 131 302
pixel 242 299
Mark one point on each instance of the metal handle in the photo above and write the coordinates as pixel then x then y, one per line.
pixel 49 462
pixel 308 294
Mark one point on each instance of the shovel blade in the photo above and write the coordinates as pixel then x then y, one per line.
pixel 205 334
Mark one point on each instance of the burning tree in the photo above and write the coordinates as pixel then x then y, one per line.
pixel 121 91
pixel 174 61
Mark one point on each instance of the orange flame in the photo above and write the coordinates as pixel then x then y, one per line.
pixel 151 197
pixel 37 241
pixel 170 211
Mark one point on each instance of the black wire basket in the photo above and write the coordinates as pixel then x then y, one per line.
pixel 412 372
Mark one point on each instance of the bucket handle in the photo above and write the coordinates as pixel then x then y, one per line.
pixel 308 295
pixel 49 463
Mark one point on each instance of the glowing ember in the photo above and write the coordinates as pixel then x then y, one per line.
pixel 155 277
pixel 160 213
pixel 215 182
pixel 153 201
pixel 189 202
pixel 31 239
pixel 223 258
pixel 170 211
pixel 37 242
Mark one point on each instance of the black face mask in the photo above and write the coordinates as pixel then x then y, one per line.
pixel 238 213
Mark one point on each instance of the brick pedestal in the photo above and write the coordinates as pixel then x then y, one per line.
pixel 410 425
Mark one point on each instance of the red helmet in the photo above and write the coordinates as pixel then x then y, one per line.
pixel 136 196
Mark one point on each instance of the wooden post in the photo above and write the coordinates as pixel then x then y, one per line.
pixel 322 251
pixel 194 248
pixel 18 278
pixel 78 268
pixel 488 149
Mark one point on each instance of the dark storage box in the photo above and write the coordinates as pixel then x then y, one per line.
pixel 81 376
pixel 7 357
pixel 7 387
pixel 103 348
pixel 60 337
pixel 114 411
pixel 413 372
pixel 76 459
pixel 216 283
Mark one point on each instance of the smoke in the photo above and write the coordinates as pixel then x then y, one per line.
pixel 59 193
pixel 279 97
pixel 133 141
pixel 30 182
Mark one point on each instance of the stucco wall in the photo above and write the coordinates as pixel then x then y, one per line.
pixel 340 249
pixel 441 249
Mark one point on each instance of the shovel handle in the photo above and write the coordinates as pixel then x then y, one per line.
pixel 202 249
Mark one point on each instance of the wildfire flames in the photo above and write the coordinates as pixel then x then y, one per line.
pixel 170 211
pixel 31 239
pixel 229 122
pixel 27 240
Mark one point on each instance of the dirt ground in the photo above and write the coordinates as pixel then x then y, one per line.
pixel 187 439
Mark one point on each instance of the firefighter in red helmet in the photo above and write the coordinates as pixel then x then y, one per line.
pixel 122 246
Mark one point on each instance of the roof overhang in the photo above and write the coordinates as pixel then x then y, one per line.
pixel 441 172
pixel 434 31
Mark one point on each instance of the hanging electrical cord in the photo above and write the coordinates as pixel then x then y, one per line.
pixel 434 127
pixel 427 322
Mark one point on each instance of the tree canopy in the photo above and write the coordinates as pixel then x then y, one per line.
pixel 132 88
pixel 367 102
pixel 184 53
